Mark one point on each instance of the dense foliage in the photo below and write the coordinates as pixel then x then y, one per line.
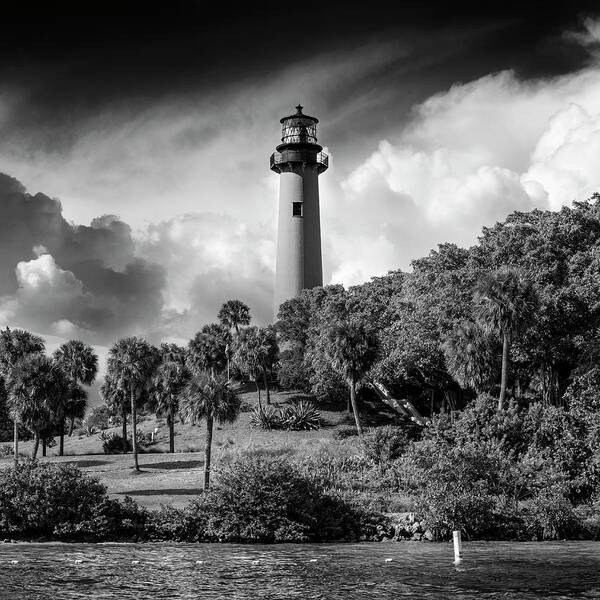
pixel 60 502
pixel 254 500
pixel 441 329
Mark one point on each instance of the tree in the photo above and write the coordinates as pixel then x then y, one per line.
pixel 131 363
pixel 208 396
pixel 75 405
pixel 352 351
pixel 302 325
pixel 472 357
pixel 36 386
pixel 256 354
pixel 16 344
pixel 117 399
pixel 208 349
pixel 504 303
pixel 233 314
pixel 80 364
pixel 169 380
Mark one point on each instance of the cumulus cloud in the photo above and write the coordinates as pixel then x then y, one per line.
pixel 191 176
pixel 470 156
pixel 71 280
pixel 101 282
pixel 209 258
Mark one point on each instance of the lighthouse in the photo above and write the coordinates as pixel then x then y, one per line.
pixel 299 160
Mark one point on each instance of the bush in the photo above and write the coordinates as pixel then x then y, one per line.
pixel 61 502
pixel 99 419
pixel 6 451
pixel 109 520
pixel 178 524
pixel 112 443
pixel 345 432
pixel 269 500
pixel 550 515
pixel 35 498
pixel 381 445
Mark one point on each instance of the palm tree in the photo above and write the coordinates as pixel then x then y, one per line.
pixel 504 304
pixel 208 349
pixel 255 354
pixel 352 351
pixel 75 405
pixel 471 356
pixel 80 364
pixel 168 383
pixel 16 344
pixel 36 387
pixel 233 314
pixel 131 364
pixel 209 397
pixel 117 399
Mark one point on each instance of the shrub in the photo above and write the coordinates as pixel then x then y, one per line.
pixel 301 416
pixel 61 502
pixel 112 443
pixel 550 516
pixel 35 498
pixel 384 444
pixel 246 407
pixel 345 432
pixel 266 418
pixel 270 500
pixel 6 451
pixel 109 520
pixel 99 419
pixel 176 525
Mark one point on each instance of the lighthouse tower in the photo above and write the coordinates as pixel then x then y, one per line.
pixel 299 160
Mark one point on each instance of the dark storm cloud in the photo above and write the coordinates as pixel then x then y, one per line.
pixel 55 276
pixel 74 58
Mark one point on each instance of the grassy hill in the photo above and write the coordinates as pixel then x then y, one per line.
pixel 176 478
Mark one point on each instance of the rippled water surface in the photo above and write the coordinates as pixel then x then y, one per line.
pixel 348 571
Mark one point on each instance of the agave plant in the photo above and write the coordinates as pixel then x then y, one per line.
pixel 302 416
pixel 265 417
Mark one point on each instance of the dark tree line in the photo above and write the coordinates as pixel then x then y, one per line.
pixel 516 315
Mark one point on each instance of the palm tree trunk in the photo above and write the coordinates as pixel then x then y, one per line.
pixel 71 425
pixel 124 429
pixel 16 442
pixel 134 430
pixel 171 422
pixel 44 447
pixel 355 407
pixel 504 377
pixel 258 390
pixel 207 449
pixel 61 435
pixel 266 387
pixel 36 444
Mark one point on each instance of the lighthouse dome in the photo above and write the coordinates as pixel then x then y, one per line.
pixel 299 128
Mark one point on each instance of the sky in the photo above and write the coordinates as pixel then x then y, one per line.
pixel 135 195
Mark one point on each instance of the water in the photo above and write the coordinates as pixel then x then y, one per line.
pixel 344 571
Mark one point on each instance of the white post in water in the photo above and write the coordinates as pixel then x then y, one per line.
pixel 457 546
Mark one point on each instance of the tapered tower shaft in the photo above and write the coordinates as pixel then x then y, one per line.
pixel 299 160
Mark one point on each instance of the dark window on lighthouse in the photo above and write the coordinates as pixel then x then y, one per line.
pixel 296 209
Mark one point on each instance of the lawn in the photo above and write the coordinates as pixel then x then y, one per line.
pixel 176 478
